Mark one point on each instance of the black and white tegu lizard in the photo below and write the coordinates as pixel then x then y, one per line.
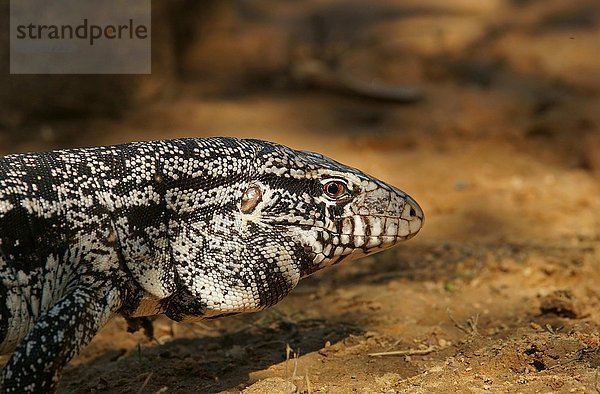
pixel 189 228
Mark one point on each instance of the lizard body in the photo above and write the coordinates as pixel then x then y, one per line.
pixel 189 228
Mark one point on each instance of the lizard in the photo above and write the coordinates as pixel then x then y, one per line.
pixel 191 228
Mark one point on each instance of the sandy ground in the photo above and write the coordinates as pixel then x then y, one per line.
pixel 498 293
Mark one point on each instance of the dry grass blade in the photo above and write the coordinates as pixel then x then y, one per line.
pixel 295 355
pixel 288 351
pixel 308 388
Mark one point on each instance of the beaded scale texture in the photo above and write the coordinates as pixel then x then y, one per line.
pixel 189 228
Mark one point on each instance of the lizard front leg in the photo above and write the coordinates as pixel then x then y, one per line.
pixel 57 336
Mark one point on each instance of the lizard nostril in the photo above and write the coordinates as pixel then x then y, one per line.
pixel 413 213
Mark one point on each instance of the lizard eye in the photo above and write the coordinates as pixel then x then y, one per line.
pixel 334 189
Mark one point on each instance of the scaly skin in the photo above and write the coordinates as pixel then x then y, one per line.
pixel 189 228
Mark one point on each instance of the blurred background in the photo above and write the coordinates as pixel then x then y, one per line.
pixel 525 71
pixel 486 112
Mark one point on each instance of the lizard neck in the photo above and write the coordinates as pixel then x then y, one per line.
pixel 140 216
pixel 163 185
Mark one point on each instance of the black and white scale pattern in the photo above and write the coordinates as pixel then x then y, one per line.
pixel 192 228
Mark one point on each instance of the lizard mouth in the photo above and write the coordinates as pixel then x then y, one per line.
pixel 381 230
pixel 354 241
pixel 373 231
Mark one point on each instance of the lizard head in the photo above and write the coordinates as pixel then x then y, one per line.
pixel 260 216
pixel 327 212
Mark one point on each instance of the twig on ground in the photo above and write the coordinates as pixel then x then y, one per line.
pixel 471 328
pixel 560 365
pixel 578 357
pixel 553 330
pixel 472 323
pixel 318 73
pixel 407 352
pixel 141 389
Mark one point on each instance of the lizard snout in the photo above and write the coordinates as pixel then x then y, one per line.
pixel 392 216
pixel 402 220
pixel 413 214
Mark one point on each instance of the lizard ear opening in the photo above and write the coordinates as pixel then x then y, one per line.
pixel 250 199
